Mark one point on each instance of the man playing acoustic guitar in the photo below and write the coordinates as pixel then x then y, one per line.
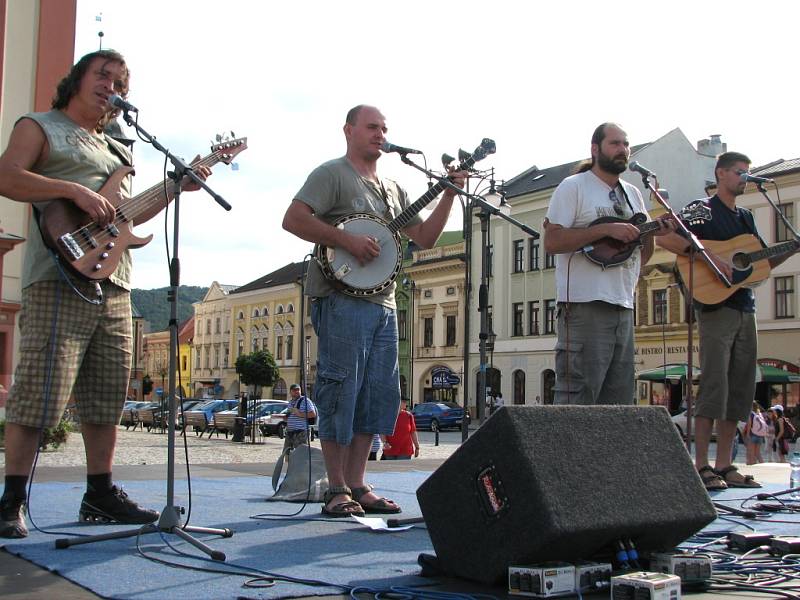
pixel 728 339
pixel 594 352
pixel 70 346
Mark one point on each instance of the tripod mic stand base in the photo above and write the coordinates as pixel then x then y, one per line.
pixel 181 532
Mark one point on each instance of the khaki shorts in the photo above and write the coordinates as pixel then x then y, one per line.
pixel 70 347
pixel 728 352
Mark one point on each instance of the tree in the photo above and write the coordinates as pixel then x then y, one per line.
pixel 257 368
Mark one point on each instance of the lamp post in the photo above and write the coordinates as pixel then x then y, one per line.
pixel 409 283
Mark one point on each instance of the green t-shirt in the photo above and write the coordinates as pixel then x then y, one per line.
pixel 82 157
pixel 335 190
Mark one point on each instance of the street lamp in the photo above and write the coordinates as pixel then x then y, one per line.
pixel 410 283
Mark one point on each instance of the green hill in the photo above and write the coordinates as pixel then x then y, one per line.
pixel 154 307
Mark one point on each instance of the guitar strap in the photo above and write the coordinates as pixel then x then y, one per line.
pixel 625 195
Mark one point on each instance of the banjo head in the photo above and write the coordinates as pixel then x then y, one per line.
pixel 376 275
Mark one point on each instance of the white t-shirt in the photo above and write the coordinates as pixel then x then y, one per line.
pixel 577 202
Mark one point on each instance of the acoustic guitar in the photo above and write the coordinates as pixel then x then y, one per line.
pixel 93 252
pixel 748 258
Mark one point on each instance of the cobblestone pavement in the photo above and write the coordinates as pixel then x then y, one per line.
pixel 150 448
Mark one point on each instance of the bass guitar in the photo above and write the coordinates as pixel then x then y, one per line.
pixel 354 279
pixel 93 252
pixel 748 258
pixel 609 252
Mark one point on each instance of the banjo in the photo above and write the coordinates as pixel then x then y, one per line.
pixel 349 276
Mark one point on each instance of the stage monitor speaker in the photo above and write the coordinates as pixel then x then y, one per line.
pixel 543 483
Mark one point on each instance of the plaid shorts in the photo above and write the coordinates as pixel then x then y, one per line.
pixel 70 347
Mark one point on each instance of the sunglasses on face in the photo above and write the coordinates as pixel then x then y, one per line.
pixel 616 202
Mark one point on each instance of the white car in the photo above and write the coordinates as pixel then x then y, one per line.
pixel 680 422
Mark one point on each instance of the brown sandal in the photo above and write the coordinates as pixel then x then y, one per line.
pixel 711 479
pixel 732 478
pixel 348 508
pixel 382 506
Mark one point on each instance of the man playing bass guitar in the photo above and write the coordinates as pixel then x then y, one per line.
pixel 69 346
pixel 594 351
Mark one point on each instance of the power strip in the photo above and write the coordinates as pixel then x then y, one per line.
pixel 542 581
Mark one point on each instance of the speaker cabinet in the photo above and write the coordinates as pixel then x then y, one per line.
pixel 542 483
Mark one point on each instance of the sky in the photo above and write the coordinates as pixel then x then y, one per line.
pixel 535 77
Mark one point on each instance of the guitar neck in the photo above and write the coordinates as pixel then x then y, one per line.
pixel 412 211
pixel 773 251
pixel 133 207
pixel 648 227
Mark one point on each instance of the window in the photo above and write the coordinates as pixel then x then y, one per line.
pixel 208 326
pixel 206 356
pixel 533 317
pixel 519 386
pixel 784 297
pixel 183 362
pixel 280 309
pixel 289 347
pixel 451 291
pixel 402 324
pixel 240 347
pixel 290 308
pixel 518 257
pixel 516 315
pixel 549 316
pixel 427 293
pixel 783 234
pixel 279 347
pixel 427 338
pixel 533 254
pixel 217 325
pixel 226 353
pixel 256 313
pixel 549 261
pixel 450 333
pixel 216 357
pixel 197 358
pixel 240 315
pixel 659 307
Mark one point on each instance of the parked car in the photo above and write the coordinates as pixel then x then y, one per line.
pixel 438 415
pixel 275 424
pixel 129 417
pixel 225 420
pixel 679 420
pixel 200 417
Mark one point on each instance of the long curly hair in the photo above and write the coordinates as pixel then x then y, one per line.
pixel 69 86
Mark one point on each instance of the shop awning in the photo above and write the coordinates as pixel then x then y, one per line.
pixel 673 371
pixel 769 374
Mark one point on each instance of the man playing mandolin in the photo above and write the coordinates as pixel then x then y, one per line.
pixel 728 338
pixel 357 391
pixel 594 353
pixel 71 346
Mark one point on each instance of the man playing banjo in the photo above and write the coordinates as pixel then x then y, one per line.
pixel 358 386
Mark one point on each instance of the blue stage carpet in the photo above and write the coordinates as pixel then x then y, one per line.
pixel 340 552
pixel 337 551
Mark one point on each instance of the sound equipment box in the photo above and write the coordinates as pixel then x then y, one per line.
pixel 565 483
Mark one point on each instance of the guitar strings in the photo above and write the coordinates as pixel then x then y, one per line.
pixel 137 205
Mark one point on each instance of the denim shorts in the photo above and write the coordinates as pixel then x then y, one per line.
pixel 358 380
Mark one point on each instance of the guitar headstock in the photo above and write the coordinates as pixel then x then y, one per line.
pixel 695 213
pixel 228 147
pixel 485 148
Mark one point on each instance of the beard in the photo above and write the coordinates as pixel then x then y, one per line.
pixel 612 165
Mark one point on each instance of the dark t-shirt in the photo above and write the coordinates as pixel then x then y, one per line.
pixel 724 225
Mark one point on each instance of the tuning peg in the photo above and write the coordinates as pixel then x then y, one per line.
pixel 447 159
pixel 233 135
pixel 463 155
pixel 219 138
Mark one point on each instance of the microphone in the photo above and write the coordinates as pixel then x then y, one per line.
pixel 747 178
pixel 116 101
pixel 389 147
pixel 644 171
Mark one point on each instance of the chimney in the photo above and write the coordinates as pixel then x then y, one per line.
pixel 713 146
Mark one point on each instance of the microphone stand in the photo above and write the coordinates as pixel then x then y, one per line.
pixel 486 211
pixel 170 521
pixel 695 247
